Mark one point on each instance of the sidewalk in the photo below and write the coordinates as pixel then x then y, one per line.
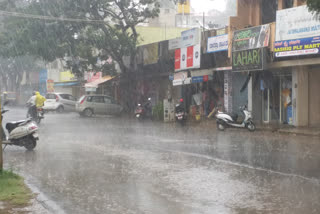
pixel 283 129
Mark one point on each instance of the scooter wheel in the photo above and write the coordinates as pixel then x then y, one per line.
pixel 221 127
pixel 251 127
pixel 30 144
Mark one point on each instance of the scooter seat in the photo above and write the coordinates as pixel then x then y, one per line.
pixel 12 125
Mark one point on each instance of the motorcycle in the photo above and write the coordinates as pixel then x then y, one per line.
pixel 180 113
pixel 144 111
pixel 36 116
pixel 22 133
pixel 225 120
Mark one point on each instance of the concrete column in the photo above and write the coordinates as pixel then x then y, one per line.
pixel 250 95
pixel 301 87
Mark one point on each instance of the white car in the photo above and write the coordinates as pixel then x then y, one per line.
pixel 59 102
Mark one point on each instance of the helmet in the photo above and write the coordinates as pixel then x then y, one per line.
pixel 181 100
pixel 149 99
pixel 34 93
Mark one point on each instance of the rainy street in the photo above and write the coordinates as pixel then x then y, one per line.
pixel 119 165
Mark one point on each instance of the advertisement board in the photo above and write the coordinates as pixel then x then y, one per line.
pixel 217 43
pixel 296 23
pixel 297 47
pixel 248 60
pixel 92 76
pixel 50 86
pixel 187 58
pixel 251 38
pixel 181 78
pixel 190 37
pixel 150 53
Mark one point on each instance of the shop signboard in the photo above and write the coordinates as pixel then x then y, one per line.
pixel 296 23
pixel 199 79
pixel 217 43
pixel 251 38
pixel 187 58
pixel 297 47
pixel 174 43
pixel 248 60
pixel 190 37
pixel 92 76
pixel 67 76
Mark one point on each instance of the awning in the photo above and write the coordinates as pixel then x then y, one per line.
pixel 66 83
pixel 96 83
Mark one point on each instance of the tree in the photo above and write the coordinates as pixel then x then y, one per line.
pixel 84 32
pixel 314 6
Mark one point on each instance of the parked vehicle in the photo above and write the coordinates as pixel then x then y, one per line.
pixel 225 120
pixel 144 110
pixel 180 113
pixel 22 133
pixel 90 105
pixel 59 102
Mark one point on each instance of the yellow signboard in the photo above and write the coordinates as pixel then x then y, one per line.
pixel 184 7
pixel 67 76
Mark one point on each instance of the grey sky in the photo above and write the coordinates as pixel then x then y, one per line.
pixel 206 5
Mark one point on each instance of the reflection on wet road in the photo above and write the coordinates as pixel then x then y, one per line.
pixel 113 165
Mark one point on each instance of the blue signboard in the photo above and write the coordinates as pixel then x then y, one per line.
pixel 43 76
pixel 297 47
pixel 197 79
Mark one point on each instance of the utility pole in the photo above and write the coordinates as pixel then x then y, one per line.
pixel 1 156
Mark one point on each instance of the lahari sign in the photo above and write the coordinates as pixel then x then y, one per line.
pixel 248 60
pixel 297 47
pixel 187 58
pixel 217 43
pixel 251 38
pixel 296 23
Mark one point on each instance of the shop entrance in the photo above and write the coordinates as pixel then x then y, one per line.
pixel 276 98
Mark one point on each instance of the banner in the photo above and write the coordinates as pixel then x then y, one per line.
pixel 92 76
pixel 187 58
pixel 297 47
pixel 296 23
pixel 174 43
pixel 251 38
pixel 217 43
pixel 184 7
pixel 248 60
pixel 190 37
pixel 50 86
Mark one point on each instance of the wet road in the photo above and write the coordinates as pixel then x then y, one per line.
pixel 112 165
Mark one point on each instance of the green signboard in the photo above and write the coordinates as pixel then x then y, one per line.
pixel 248 60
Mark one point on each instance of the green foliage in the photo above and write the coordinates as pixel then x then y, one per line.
pixel 12 189
pixel 314 6
pixel 103 29
pixel 158 111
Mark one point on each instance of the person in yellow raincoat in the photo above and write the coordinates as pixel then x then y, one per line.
pixel 39 100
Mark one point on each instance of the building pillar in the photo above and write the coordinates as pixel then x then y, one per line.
pixel 250 108
pixel 300 96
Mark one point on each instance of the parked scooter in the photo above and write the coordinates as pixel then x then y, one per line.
pixel 180 113
pixel 225 120
pixel 22 133
pixel 144 111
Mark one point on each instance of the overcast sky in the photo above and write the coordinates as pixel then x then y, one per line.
pixel 206 5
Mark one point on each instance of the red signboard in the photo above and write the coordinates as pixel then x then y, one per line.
pixel 177 65
pixel 190 57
